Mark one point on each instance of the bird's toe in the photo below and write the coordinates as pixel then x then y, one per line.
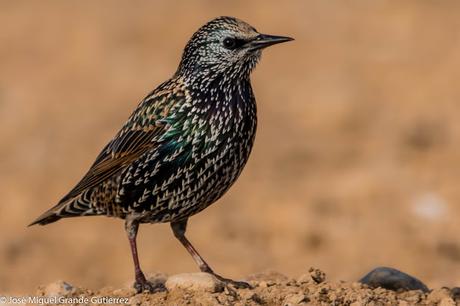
pixel 236 284
pixel 146 286
pixel 240 284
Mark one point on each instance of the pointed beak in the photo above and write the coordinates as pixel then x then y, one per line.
pixel 264 40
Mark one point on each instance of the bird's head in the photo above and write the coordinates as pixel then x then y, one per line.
pixel 225 46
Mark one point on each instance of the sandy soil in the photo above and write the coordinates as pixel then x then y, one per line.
pixel 267 289
pixel 356 161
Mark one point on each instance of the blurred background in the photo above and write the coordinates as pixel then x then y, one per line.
pixel 356 161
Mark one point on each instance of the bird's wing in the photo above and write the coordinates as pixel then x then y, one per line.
pixel 142 132
pixel 135 138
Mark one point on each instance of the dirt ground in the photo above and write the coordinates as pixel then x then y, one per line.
pixel 356 161
pixel 270 289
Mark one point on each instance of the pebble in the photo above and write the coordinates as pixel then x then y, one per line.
pixel 392 279
pixel 317 275
pixel 295 299
pixel 455 292
pixel 195 282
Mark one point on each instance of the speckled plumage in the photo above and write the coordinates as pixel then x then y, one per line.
pixel 187 141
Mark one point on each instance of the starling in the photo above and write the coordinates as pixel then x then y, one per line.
pixel 183 146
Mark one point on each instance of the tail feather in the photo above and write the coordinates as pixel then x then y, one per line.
pixel 46 218
pixel 73 207
pixel 51 215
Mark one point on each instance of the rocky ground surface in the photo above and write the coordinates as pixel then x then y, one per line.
pixel 271 288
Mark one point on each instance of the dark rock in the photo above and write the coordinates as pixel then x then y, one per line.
pixel 455 292
pixel 392 279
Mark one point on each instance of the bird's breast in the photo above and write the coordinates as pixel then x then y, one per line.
pixel 200 156
pixel 222 137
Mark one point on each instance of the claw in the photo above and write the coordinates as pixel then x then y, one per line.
pixel 146 286
pixel 239 284
pixel 236 284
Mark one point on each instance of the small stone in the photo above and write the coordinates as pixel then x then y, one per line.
pixel 317 275
pixel 455 292
pixel 246 295
pixel 295 299
pixel 195 282
pixel 314 274
pixel 59 288
pixel 304 279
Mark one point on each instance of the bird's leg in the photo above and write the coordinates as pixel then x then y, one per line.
pixel 141 284
pixel 179 229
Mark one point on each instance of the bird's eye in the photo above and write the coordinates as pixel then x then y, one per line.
pixel 230 43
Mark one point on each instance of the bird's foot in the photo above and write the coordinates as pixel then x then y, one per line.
pixel 236 284
pixel 143 285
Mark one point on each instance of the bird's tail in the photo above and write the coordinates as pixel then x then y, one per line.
pixel 72 207
pixel 46 218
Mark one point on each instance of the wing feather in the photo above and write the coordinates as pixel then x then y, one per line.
pixel 132 141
